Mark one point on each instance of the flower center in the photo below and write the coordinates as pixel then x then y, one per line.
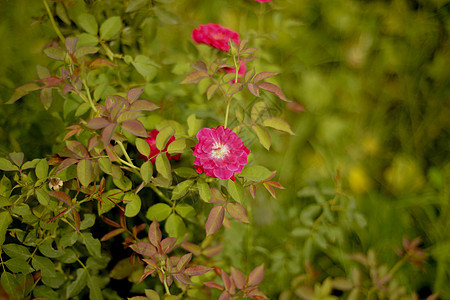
pixel 219 150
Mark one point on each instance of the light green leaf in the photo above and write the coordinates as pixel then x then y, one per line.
pixel 308 214
pixel 84 171
pixel 159 211
pixel 278 124
pixel 147 171
pixel 110 28
pixel 123 183
pixel 255 173
pixel 180 146
pixel 88 221
pixel 203 190
pixel 42 169
pixel 175 226
pixel 78 284
pixel 258 109
pixel 163 165
pixel 88 23
pixel 18 265
pixel 105 165
pixel 163 136
pixel 42 196
pixel 16 158
pixel 145 66
pixel 143 147
pixel 185 172
pixel 263 136
pixel 68 239
pixel 5 187
pixel 133 204
pixel 44 264
pixel 15 250
pixel 5 220
pixel 92 244
pixel 6 165
pixel 236 190
pixel 194 124
pixel 181 189
pixel 185 210
pixel 21 209
pixel 10 284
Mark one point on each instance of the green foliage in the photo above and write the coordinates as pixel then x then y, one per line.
pixel 83 188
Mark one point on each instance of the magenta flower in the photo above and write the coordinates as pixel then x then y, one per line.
pixel 242 70
pixel 214 35
pixel 151 141
pixel 261 1
pixel 220 153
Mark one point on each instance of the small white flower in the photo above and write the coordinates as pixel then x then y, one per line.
pixel 55 183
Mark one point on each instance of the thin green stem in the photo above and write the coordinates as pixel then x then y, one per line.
pixel 160 194
pixel 166 286
pixel 226 113
pixel 130 163
pixel 91 103
pixel 236 66
pixel 52 20
pixel 398 265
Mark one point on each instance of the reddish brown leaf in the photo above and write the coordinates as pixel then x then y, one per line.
pixel 100 62
pixel 270 189
pixel 184 260
pixel 253 191
pixel 71 44
pixel 61 196
pixel 151 264
pixel 214 285
pixel 154 234
pixel 65 164
pixel 143 248
pixel 85 50
pixel 225 296
pixel 253 88
pixel 274 89
pixel 42 71
pixel 97 123
pixel 237 211
pixel 76 219
pixel 145 105
pixel 135 127
pixel 107 134
pixel 212 251
pixel 256 276
pixel 199 66
pixel 22 91
pixel 194 77
pixel 263 75
pixel 51 81
pixel 145 275
pixel 215 220
pixel 93 141
pixel 46 97
pixel 216 196
pixel 182 278
pixel 196 270
pixel 168 244
pixel 238 278
pixel 226 280
pixel 134 94
pixel 110 222
pixel 194 249
pixel 112 234
pixel 78 149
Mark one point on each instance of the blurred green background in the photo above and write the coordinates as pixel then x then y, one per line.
pixel 374 80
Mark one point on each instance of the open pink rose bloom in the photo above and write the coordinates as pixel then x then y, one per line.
pixel 263 1
pixel 220 153
pixel 214 35
pixel 151 141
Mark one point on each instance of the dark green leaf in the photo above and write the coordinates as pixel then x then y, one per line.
pixel 47 250
pixel 92 244
pixel 110 28
pixel 15 250
pixel 55 53
pixel 16 158
pixel 18 265
pixel 6 165
pixel 43 264
pixel 78 284
pixel 10 284
pixel 5 220
pixel 84 171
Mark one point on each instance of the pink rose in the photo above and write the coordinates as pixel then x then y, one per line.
pixel 151 141
pixel 220 153
pixel 261 1
pixel 214 35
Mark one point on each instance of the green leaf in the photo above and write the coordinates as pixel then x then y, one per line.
pixel 18 265
pixel 15 250
pixel 163 165
pixel 194 77
pixel 44 264
pixel 55 53
pixel 301 232
pixel 181 189
pixel 88 221
pixel 84 171
pixel 255 173
pixel 263 136
pixel 78 284
pixel 175 226
pixel 236 190
pixel 10 284
pixel 95 291
pixel 105 165
pixel 211 90
pixel 143 147
pixel 5 187
pixel 88 23
pixel 145 66
pixel 110 28
pixel 6 165
pixel 47 250
pixel 5 220
pixel 308 214
pixel 92 244
pixel 135 127
pixel 42 291
pixel 21 209
pixel 237 211
pixel 163 136
pixel 135 5
pixel 258 110
pixel 166 17
pixel 159 211
pixel 124 183
pixel 122 269
pixel 180 146
pixel 194 124
pixel 203 190
pixel 186 172
pixel 105 205
pixel 278 124
pixel 42 169
pixel 16 158
pixel 133 204
pixel 23 90
pixel 30 164
pixel 147 171
pixel 185 210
